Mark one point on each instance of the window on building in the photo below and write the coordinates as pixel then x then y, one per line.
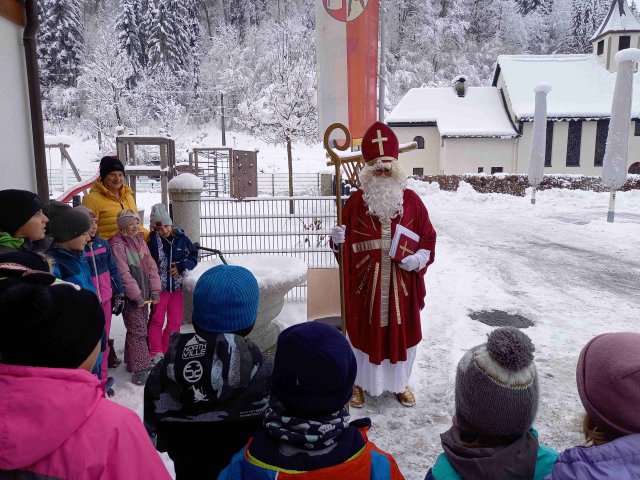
pixel 602 130
pixel 573 143
pixel 601 47
pixel 418 171
pixel 496 170
pixel 634 169
pixel 420 141
pixel 624 42
pixel 480 169
pixel 636 128
pixel 549 144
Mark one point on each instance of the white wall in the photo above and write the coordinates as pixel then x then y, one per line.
pixel 559 149
pixel 427 159
pixel 16 157
pixel 465 155
pixel 611 42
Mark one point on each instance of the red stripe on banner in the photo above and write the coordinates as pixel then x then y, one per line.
pixel 362 68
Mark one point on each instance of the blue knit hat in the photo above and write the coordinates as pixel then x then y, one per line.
pixel 225 299
pixel 314 370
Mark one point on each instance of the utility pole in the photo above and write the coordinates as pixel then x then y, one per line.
pixel 224 139
pixel 382 69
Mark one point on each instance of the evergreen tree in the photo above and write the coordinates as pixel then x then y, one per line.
pixel 525 7
pixel 169 37
pixel 128 34
pixel 60 42
pixel 634 9
pixel 587 17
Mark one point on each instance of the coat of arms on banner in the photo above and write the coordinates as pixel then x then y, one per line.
pixel 345 10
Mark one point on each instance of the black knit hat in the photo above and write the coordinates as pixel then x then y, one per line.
pixel 55 326
pixel 67 223
pixel 314 370
pixel 110 164
pixel 16 208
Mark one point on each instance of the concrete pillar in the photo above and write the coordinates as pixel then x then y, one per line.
pixel 184 191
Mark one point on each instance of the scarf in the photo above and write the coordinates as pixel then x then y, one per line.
pixel 512 461
pixel 316 434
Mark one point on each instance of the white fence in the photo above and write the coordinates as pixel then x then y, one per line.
pixel 268 183
pixel 264 226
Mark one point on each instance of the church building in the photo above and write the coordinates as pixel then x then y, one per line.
pixel 463 129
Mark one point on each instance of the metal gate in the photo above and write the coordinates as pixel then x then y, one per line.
pixel 264 225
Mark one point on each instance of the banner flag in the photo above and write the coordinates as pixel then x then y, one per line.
pixel 347 63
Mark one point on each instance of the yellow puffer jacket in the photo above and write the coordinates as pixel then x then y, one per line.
pixel 107 207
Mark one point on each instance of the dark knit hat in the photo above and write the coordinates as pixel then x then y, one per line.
pixel 497 385
pixel 225 299
pixel 59 325
pixel 314 370
pixel 16 208
pixel 110 164
pixel 67 223
pixel 608 377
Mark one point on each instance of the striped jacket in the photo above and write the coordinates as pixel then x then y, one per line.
pixel 104 272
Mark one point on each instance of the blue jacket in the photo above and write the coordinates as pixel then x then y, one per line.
pixel 104 272
pixel 443 470
pixel 619 460
pixel 71 266
pixel 176 249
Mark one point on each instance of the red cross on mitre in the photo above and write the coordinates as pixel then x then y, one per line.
pixel 379 144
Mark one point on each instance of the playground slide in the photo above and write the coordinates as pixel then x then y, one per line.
pixel 77 188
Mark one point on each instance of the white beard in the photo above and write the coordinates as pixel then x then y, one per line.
pixel 383 195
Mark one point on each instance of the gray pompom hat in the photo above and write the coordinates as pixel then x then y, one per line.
pixel 497 385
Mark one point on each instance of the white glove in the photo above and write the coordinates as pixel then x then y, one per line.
pixel 414 262
pixel 337 234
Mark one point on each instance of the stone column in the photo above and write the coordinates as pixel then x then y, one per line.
pixel 184 191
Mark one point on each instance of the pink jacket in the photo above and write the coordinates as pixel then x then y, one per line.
pixel 56 423
pixel 138 269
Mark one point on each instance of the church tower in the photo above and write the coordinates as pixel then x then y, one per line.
pixel 619 30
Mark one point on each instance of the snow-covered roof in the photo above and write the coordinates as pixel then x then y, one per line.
pixel 581 86
pixel 480 113
pixel 619 19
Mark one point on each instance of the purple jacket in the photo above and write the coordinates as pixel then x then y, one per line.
pixel 138 270
pixel 56 423
pixel 619 460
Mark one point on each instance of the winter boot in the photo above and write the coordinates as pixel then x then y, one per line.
pixel 140 378
pixel 406 398
pixel 113 361
pixel 357 400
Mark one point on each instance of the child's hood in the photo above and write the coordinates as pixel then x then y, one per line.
pixel 40 408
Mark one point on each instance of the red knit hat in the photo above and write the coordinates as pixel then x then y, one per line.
pixel 608 377
pixel 379 144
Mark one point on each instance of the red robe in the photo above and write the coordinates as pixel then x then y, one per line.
pixel 364 271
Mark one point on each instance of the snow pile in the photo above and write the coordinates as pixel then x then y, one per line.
pixel 186 181
pixel 272 272
pixel 480 113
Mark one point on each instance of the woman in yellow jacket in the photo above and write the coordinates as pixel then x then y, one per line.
pixel 109 196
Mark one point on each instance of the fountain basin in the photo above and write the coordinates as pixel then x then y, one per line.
pixel 276 275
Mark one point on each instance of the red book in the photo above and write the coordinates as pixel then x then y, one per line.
pixel 404 243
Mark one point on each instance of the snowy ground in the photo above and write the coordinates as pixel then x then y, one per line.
pixel 558 263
